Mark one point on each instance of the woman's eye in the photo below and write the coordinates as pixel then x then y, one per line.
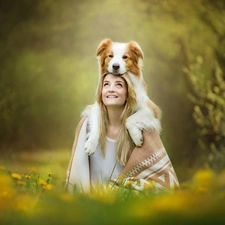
pixel 105 84
pixel 119 85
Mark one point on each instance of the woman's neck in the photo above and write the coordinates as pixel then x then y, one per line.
pixel 114 123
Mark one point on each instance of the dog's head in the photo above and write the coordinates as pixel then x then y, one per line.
pixel 118 58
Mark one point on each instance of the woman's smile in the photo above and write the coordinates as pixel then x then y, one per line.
pixel 112 96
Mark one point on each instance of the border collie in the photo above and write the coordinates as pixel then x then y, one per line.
pixel 119 58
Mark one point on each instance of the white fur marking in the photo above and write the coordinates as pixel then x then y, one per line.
pixel 118 52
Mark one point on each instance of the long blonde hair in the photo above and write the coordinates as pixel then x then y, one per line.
pixel 124 144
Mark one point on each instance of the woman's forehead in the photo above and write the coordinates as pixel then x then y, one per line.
pixel 111 77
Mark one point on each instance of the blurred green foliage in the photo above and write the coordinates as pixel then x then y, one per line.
pixel 208 98
pixel 49 72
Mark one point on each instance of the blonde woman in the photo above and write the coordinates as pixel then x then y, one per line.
pixel 116 158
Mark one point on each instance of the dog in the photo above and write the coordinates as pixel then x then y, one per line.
pixel 119 58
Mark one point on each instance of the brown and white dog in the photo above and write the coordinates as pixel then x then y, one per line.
pixel 119 58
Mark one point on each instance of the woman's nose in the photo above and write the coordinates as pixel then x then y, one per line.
pixel 111 88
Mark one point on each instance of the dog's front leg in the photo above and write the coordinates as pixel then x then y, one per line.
pixel 142 119
pixel 93 135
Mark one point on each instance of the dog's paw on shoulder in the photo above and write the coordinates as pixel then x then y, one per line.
pixel 136 136
pixel 90 146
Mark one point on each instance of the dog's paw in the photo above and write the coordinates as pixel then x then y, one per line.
pixel 91 145
pixel 134 131
pixel 136 136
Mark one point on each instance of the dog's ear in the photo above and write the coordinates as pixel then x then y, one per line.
pixel 103 46
pixel 135 47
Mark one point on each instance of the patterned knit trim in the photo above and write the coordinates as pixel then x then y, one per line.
pixel 146 162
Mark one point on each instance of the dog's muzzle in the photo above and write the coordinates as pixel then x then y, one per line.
pixel 116 67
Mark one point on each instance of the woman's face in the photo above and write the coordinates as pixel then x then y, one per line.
pixel 114 91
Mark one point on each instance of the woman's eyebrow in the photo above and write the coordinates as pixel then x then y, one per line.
pixel 120 81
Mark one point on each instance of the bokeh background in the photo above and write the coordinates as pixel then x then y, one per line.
pixel 49 73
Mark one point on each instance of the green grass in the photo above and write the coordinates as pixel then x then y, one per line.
pixel 43 162
pixel 31 192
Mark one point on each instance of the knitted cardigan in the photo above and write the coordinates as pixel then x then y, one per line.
pixel 149 166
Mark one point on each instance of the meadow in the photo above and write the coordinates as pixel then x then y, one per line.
pixel 49 74
pixel 32 192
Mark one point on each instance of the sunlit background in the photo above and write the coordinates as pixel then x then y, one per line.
pixel 49 73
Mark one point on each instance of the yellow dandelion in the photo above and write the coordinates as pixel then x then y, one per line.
pixel 16 176
pixel 175 202
pixel 129 183
pixel 42 182
pixel 203 180
pixel 148 185
pixel 48 187
pixel 27 176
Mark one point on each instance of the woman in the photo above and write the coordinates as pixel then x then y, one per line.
pixel 116 159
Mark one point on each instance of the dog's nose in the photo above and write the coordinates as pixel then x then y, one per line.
pixel 116 66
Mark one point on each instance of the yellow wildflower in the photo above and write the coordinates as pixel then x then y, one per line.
pixel 173 202
pixel 27 176
pixel 48 187
pixel 129 183
pixel 203 180
pixel 42 182
pixel 16 176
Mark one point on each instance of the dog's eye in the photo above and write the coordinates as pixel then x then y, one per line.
pixel 125 57
pixel 110 56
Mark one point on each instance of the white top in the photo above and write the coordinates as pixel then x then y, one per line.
pixel 101 167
